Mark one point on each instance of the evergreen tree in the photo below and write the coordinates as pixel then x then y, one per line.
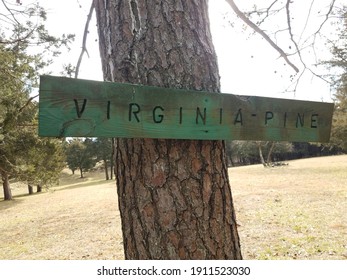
pixel 339 65
pixel 103 149
pixel 22 29
pixel 80 155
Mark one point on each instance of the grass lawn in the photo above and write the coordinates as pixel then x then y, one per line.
pixel 294 212
pixel 291 212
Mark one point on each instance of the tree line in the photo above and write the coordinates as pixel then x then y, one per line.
pixel 84 154
pixel 269 153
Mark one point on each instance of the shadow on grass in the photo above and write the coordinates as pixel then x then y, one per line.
pixel 18 196
pixel 5 204
pixel 83 184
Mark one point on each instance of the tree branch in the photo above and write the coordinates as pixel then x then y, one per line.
pixel 10 11
pixel 84 42
pixel 326 16
pixel 298 50
pixel 22 39
pixel 307 19
pixel 27 103
pixel 262 33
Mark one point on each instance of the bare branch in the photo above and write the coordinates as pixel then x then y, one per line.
pixel 326 16
pixel 317 32
pixel 267 12
pixel 290 30
pixel 84 42
pixel 6 19
pixel 307 20
pixel 15 22
pixel 298 50
pixel 27 103
pixel 22 39
pixel 10 11
pixel 262 33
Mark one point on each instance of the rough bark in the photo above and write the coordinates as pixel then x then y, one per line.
pixel 6 186
pixel 174 195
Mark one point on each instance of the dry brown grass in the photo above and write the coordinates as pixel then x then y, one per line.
pixel 292 212
pixel 77 220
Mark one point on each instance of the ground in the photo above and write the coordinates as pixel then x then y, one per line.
pixel 290 212
pixel 294 212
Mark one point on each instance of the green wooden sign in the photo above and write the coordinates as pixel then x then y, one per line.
pixel 82 108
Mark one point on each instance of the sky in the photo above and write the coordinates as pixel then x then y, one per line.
pixel 248 64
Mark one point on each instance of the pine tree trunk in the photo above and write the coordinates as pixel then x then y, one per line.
pixel 112 158
pixel 174 195
pixel 30 189
pixel 6 186
pixel 106 170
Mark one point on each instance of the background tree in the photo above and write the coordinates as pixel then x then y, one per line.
pixel 41 160
pixel 242 153
pixel 80 155
pixel 17 110
pixel 174 195
pixel 22 29
pixel 24 156
pixel 251 152
pixel 338 69
pixel 104 152
pixel 267 149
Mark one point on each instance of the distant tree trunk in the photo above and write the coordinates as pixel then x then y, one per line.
pixel 106 170
pixel 6 186
pixel 81 172
pixel 39 188
pixel 262 160
pixel 30 189
pixel 269 155
pixel 174 195
pixel 112 159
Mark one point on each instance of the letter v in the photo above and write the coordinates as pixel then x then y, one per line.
pixel 78 111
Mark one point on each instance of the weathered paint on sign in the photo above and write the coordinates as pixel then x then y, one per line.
pixel 82 108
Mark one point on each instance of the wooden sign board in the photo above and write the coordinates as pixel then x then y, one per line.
pixel 82 108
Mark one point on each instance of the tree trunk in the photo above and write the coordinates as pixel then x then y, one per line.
pixel 261 154
pixel 112 158
pixel 106 170
pixel 174 195
pixel 38 188
pixel 6 186
pixel 30 189
pixel 269 160
pixel 81 172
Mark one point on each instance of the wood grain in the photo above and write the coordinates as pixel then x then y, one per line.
pixel 81 108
